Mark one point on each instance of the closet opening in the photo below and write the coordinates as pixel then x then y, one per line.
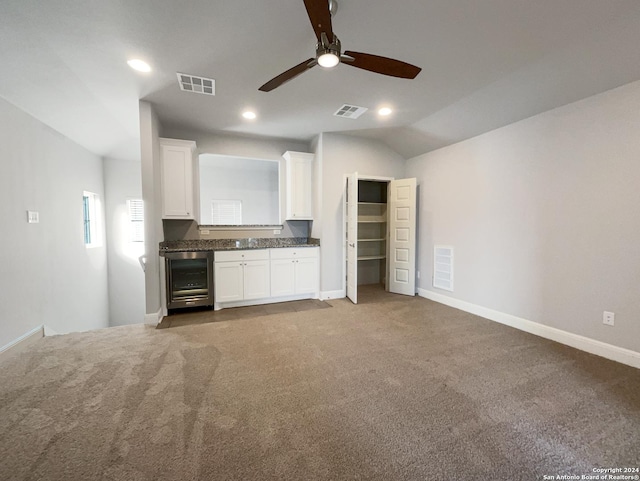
pixel 380 235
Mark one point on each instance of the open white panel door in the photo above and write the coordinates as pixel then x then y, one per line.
pixel 402 236
pixel 352 237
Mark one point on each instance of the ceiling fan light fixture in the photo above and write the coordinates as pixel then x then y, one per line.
pixel 329 51
pixel 328 60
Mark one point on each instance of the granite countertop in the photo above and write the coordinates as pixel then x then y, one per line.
pixel 235 244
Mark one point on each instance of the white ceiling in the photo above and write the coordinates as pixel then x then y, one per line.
pixel 486 63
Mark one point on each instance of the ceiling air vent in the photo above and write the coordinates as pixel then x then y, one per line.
pixel 350 111
pixel 198 85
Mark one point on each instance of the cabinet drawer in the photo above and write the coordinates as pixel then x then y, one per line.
pixel 248 255
pixel 294 252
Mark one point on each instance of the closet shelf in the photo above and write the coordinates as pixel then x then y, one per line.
pixel 372 222
pixel 372 203
pixel 371 240
pixel 370 258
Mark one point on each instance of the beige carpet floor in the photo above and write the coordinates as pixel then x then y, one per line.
pixel 394 388
pixel 202 315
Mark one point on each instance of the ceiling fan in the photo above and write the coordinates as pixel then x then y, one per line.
pixel 329 53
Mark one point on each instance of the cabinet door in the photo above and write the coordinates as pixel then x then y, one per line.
pixel 299 185
pixel 229 285
pixel 282 277
pixel 306 275
pixel 177 181
pixel 256 280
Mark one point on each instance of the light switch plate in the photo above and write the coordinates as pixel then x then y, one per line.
pixel 33 217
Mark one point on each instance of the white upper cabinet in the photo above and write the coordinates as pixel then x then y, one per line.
pixel 299 185
pixel 178 174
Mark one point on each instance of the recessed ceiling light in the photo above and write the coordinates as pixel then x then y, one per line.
pixel 384 111
pixel 249 115
pixel 139 65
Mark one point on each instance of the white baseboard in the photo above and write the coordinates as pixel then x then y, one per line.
pixel 25 339
pixel 599 348
pixel 154 318
pixel 339 294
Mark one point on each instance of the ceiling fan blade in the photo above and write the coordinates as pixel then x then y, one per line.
pixel 383 65
pixel 320 17
pixel 288 75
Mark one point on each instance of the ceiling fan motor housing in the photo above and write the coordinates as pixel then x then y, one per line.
pixel 326 47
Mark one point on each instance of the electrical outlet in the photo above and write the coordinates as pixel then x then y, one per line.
pixel 33 217
pixel 277 231
pixel 608 318
pixel 418 274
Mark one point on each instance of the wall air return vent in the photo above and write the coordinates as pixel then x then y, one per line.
pixel 443 267
pixel 350 111
pixel 198 85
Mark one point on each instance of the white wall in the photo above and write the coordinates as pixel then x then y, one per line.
pixel 238 146
pixel 543 216
pixel 48 276
pixel 316 225
pixel 254 182
pixel 123 181
pixel 150 131
pixel 340 155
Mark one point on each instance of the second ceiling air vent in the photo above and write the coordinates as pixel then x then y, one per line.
pixel 198 85
pixel 350 111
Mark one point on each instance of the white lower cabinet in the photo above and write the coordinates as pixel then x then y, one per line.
pixel 229 281
pixel 261 276
pixel 256 279
pixel 294 271
pixel 241 275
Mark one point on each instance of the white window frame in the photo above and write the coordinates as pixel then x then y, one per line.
pixel 135 216
pixel 91 219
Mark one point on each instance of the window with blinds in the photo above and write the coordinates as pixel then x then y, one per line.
pixel 91 220
pixel 226 212
pixel 135 209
